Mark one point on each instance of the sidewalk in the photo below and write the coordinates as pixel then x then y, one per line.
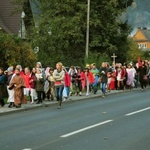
pixel 28 106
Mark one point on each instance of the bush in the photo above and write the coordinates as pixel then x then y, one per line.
pixel 14 50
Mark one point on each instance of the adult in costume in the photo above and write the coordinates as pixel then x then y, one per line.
pixel 18 84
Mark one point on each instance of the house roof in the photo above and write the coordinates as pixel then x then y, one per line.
pixel 146 33
pixel 3 25
pixel 9 22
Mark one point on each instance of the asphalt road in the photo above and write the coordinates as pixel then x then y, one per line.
pixel 117 122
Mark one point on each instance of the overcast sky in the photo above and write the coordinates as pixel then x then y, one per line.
pixel 139 14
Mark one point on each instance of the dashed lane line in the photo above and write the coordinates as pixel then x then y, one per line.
pixel 136 112
pixel 101 123
pixel 86 128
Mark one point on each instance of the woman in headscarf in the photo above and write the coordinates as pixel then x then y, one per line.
pixel 10 92
pixel 39 80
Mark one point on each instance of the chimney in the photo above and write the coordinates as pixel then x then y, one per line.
pixel 144 28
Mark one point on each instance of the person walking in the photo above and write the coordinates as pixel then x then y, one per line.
pixel 95 73
pixel 51 93
pixel 120 76
pixel 67 83
pixel 27 89
pixel 89 79
pixel 59 75
pixel 47 84
pixel 130 77
pixel 33 93
pixel 72 72
pixel 10 92
pixel 80 81
pixel 103 78
pixel 39 82
pixel 39 66
pixel 142 72
pixel 2 86
pixel 17 83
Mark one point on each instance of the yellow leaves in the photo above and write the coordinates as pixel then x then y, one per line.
pixel 15 51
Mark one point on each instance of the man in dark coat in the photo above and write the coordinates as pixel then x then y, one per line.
pixel 103 78
pixel 2 85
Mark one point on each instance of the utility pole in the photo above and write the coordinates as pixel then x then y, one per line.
pixel 22 25
pixel 87 30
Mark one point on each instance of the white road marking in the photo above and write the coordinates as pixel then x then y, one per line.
pixel 87 128
pixel 27 149
pixel 135 112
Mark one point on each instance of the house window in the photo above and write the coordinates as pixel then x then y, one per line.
pixel 142 45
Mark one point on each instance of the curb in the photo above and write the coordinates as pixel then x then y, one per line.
pixel 26 108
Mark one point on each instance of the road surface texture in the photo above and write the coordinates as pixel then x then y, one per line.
pixel 118 122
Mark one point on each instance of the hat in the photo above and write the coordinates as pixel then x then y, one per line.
pixel 39 64
pixel 19 67
pixel 10 69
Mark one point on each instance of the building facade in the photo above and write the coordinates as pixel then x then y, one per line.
pixel 142 38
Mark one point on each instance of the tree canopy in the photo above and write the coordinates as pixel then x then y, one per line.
pixel 61 31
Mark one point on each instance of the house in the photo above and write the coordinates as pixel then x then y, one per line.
pixel 9 22
pixel 142 38
pixel 14 20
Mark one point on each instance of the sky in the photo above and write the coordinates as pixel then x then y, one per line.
pixel 138 14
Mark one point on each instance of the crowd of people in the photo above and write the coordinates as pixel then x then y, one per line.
pixel 40 84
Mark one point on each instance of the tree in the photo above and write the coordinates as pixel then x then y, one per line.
pixel 133 52
pixel 97 58
pixel 109 32
pixel 65 20
pixel 66 42
pixel 14 50
pixel 146 55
